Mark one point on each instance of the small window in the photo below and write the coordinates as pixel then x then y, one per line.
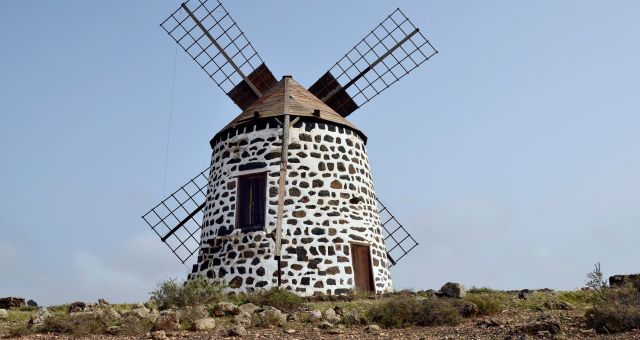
pixel 251 201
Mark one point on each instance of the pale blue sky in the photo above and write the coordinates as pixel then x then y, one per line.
pixel 513 156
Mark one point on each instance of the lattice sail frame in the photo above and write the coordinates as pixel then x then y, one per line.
pixel 228 69
pixel 389 52
pixel 396 238
pixel 177 220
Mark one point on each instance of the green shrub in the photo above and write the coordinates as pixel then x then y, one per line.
pixel 275 297
pixel 615 310
pixel 480 290
pixel 403 311
pixel 196 291
pixel 77 325
pixel 488 301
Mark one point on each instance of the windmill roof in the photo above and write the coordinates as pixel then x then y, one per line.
pixel 302 103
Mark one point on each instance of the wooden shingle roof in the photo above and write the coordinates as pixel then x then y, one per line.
pixel 302 103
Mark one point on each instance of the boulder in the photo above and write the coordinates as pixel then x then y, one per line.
pixel 237 330
pixel 352 317
pixel 315 315
pixel 243 319
pixel 105 313
pixel 192 313
pixel 225 308
pixel 331 316
pixel 619 280
pixel 248 308
pixel 469 309
pixel 167 321
pixel 205 324
pixel 325 325
pixel 77 306
pixel 524 294
pixel 11 302
pixel 141 312
pixel 38 318
pixel 32 303
pixel 453 290
pixel 270 316
pixel 102 302
pixel 4 315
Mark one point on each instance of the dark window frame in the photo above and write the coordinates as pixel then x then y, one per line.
pixel 261 203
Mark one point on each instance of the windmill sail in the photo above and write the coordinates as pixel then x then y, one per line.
pixel 178 218
pixel 206 31
pixel 396 238
pixel 392 50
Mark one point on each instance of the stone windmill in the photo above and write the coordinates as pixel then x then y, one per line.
pixel 288 199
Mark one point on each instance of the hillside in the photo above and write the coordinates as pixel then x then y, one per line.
pixel 198 311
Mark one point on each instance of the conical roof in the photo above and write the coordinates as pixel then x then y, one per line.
pixel 301 103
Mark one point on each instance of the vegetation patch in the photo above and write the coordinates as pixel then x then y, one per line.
pixel 197 291
pixel 403 311
pixel 275 297
pixel 615 310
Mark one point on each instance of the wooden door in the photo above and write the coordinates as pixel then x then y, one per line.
pixel 362 271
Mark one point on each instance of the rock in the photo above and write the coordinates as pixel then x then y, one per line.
pixel 192 313
pixel 32 303
pixel 159 335
pixel 4 315
pixel 315 315
pixel 113 330
pixel 38 318
pixel 237 330
pixel 11 302
pixel 102 302
pixel 106 313
pixel 205 324
pixel 352 317
pixel 248 308
pixel 335 331
pixel 289 331
pixel 331 316
pixel 338 310
pixel 524 294
pixel 325 325
pixel 551 326
pixel 469 309
pixel 141 313
pixel 77 306
pixel 618 280
pixel 225 308
pixel 243 319
pixel 269 316
pixel 167 321
pixel 454 290
pixel 372 329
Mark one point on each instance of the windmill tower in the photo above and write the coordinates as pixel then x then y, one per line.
pixel 288 199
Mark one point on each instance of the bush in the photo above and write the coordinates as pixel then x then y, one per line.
pixel 488 301
pixel 480 290
pixel 196 291
pixel 407 310
pixel 616 310
pixel 275 297
pixel 77 325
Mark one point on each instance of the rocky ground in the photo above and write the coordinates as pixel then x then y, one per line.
pixel 486 314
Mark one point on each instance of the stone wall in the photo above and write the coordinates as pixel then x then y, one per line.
pixel 330 202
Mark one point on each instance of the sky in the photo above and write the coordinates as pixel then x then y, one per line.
pixel 513 156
